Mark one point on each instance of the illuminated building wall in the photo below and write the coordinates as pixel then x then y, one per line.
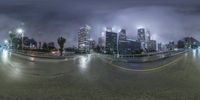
pixel 83 39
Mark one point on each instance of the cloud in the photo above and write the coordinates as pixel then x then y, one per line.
pixel 167 19
pixel 6 24
pixel 165 23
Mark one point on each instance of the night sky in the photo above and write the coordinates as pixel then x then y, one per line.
pixel 45 20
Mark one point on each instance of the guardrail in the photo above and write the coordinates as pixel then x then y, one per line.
pixel 143 58
pixel 147 54
pixel 149 58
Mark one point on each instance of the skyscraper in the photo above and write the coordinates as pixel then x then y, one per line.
pixel 148 36
pixel 129 46
pixel 144 37
pixel 151 46
pixel 122 35
pixel 111 42
pixel 101 41
pixel 83 39
pixel 141 38
pixel 160 47
pixel 141 35
pixel 92 44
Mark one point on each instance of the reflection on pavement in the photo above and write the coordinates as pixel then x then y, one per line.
pixel 4 56
pixel 83 62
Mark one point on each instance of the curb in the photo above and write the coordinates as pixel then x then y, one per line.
pixel 42 57
pixel 145 70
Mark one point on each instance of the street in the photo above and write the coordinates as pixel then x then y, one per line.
pixel 91 77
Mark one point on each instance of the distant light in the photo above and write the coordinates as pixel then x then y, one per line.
pixel 10 32
pixel 176 49
pixel 90 39
pixel 53 52
pixel 83 45
pixel 6 41
pixel 20 31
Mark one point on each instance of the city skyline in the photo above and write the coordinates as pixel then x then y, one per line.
pixel 166 22
pixel 99 49
pixel 119 31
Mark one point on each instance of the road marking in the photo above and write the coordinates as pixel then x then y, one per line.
pixel 145 70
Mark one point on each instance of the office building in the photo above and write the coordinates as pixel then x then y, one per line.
pixel 141 35
pixel 122 35
pixel 151 46
pixel 129 47
pixel 160 48
pixel 111 42
pixel 83 39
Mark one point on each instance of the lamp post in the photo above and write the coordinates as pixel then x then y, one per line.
pixel 21 31
pixel 6 44
pixel 10 32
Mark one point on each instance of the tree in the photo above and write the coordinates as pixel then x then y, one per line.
pixel 32 43
pixel 12 37
pixel 51 46
pixel 61 41
pixel 26 42
pixel 15 43
pixel 44 46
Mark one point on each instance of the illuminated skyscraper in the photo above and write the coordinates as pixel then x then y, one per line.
pixel 111 42
pixel 122 35
pixel 101 41
pixel 148 36
pixel 141 35
pixel 144 37
pixel 141 38
pixel 83 39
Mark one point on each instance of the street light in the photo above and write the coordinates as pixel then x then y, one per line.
pixel 6 41
pixel 21 31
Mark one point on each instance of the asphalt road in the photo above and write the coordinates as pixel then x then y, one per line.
pixel 91 77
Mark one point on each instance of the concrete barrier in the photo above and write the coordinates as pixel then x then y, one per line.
pixel 147 58
pixel 40 56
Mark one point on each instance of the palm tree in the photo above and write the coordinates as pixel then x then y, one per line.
pixel 61 41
